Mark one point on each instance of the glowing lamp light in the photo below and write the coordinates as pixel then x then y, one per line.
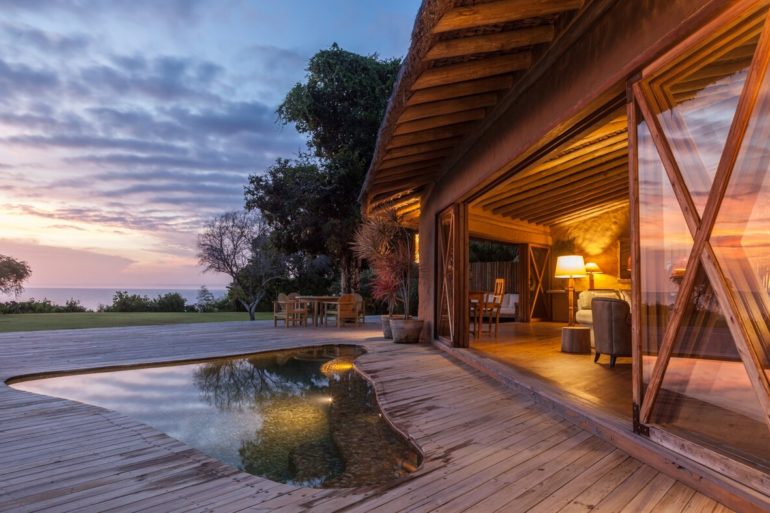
pixel 570 267
pixel 592 268
pixel 336 366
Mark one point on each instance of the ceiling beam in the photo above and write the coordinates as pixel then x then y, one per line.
pixel 502 11
pixel 460 89
pixel 427 110
pixel 437 121
pixel 601 179
pixel 544 215
pixel 479 68
pixel 556 178
pixel 593 212
pixel 487 43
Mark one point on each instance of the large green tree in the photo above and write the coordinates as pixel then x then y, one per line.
pixel 311 202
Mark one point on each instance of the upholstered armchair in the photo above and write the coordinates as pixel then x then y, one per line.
pixel 612 328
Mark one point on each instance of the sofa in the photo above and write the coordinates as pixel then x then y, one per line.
pixel 509 308
pixel 584 314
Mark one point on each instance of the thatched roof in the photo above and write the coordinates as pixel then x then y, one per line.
pixel 464 57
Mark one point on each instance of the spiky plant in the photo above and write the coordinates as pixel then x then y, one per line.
pixel 382 241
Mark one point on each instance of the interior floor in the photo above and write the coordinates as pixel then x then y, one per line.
pixel 535 348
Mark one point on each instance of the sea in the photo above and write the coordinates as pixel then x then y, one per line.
pixel 91 298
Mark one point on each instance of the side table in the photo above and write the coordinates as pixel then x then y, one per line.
pixel 576 339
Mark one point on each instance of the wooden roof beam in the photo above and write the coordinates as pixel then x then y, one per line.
pixel 426 147
pixel 437 121
pixel 558 178
pixel 400 185
pixel 601 178
pixel 487 43
pixel 433 134
pixel 422 159
pixel 460 89
pixel 544 215
pixel 450 106
pixel 608 181
pixel 502 11
pixel 479 68
pixel 601 209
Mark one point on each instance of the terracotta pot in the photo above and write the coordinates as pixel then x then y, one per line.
pixel 406 331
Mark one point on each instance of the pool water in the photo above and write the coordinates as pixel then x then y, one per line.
pixel 299 417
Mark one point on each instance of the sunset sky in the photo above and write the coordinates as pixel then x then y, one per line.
pixel 124 126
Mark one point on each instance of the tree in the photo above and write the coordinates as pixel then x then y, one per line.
pixel 205 300
pixel 237 244
pixel 12 274
pixel 340 107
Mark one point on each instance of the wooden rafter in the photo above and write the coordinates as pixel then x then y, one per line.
pixel 414 149
pixel 460 89
pixel 437 108
pixel 559 183
pixel 590 212
pixel 479 68
pixel 556 210
pixel 487 43
pixel 423 159
pixel 438 121
pixel 432 134
pixel 501 11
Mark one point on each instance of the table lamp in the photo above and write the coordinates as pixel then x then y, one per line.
pixel 570 267
pixel 592 268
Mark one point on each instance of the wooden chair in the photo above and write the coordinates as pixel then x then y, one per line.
pixel 360 308
pixel 475 306
pixel 301 308
pixel 492 305
pixel 286 309
pixel 344 311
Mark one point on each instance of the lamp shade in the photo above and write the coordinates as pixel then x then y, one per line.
pixel 593 268
pixel 570 266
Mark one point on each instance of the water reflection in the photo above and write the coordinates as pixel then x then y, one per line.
pixel 301 417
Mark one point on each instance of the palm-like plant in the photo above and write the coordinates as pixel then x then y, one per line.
pixel 382 241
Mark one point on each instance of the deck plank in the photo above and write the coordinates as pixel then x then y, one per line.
pixel 486 447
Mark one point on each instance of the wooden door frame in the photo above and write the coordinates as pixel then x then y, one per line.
pixel 459 311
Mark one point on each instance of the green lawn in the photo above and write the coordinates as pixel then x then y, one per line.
pixel 59 321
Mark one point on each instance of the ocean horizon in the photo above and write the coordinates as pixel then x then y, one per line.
pixel 91 298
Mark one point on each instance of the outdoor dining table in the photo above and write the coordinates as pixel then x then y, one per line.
pixel 318 304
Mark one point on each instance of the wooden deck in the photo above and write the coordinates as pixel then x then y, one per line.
pixel 487 448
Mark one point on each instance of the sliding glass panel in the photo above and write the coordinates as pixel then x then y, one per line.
pixel 741 235
pixel 665 245
pixel 706 393
pixel 695 99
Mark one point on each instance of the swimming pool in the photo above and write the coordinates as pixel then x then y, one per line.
pixel 303 417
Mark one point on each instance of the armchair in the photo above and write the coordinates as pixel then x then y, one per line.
pixel 612 328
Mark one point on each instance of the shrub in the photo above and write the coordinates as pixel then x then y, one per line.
pixel 170 302
pixel 41 306
pixel 122 301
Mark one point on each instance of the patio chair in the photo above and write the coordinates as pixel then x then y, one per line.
pixel 344 311
pixel 286 309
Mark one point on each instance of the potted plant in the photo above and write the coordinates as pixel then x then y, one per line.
pixel 382 241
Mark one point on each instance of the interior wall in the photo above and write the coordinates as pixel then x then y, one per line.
pixel 596 239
